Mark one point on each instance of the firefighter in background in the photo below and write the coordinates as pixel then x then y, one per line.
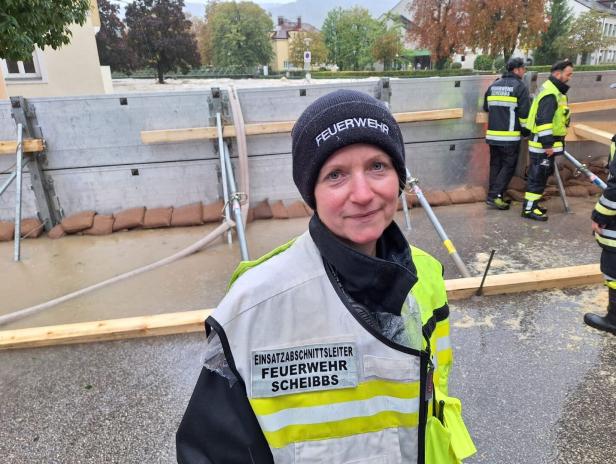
pixel 604 227
pixel 547 122
pixel 507 103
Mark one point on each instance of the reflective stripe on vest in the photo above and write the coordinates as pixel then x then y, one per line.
pixel 507 136
pixel 561 116
pixel 537 147
pixel 375 404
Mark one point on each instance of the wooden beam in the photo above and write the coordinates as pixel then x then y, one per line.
pixel 264 128
pixel 594 105
pixel 192 321
pixel 114 329
pixel 586 132
pixel 9 147
pixel 562 277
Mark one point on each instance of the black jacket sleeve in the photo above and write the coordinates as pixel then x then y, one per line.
pixel 545 115
pixel 485 100
pixel 523 101
pixel 219 425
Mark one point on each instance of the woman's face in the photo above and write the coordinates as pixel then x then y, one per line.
pixel 357 195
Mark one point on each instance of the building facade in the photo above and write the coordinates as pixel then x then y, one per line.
pixel 281 39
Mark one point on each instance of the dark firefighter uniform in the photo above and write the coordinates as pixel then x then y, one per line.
pixel 507 103
pixel 604 214
pixel 548 120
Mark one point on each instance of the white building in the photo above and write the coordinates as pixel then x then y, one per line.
pixel 608 7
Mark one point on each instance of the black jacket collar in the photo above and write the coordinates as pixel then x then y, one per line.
pixel 509 74
pixel 561 86
pixel 379 283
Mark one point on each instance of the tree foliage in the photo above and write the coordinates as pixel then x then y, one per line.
pixel 27 24
pixel 112 40
pixel 586 36
pixel 159 33
pixel 236 34
pixel 440 26
pixel 499 26
pixel 302 41
pixel 349 36
pixel 388 42
pixel 552 40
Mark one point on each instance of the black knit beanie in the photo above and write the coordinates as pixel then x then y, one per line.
pixel 338 119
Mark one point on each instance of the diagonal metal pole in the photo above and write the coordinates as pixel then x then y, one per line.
pixel 8 182
pixel 235 202
pixel 223 174
pixel 561 186
pixel 582 168
pixel 447 243
pixel 405 209
pixel 18 177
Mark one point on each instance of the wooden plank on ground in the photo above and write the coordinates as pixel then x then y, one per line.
pixel 9 147
pixel 280 127
pixel 192 321
pixel 587 132
pixel 562 277
pixel 114 329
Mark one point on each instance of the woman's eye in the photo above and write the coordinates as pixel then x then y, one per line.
pixel 377 165
pixel 334 175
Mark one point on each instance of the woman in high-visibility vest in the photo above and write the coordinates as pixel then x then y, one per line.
pixel 333 348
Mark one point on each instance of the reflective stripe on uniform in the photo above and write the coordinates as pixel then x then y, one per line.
pixel 608 233
pixel 501 98
pixel 502 103
pixel 607 203
pixel 373 405
pixel 537 147
pixel 532 196
pixel 511 135
pixel 543 127
pixel 599 208
pixel 605 241
pixel 544 133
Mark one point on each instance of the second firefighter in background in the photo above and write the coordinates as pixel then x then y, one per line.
pixel 507 103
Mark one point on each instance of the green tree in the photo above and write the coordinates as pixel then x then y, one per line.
pixel 159 33
pixel 112 41
pixel 237 34
pixel 25 25
pixel 560 18
pixel 586 36
pixel 388 42
pixel 302 41
pixel 349 36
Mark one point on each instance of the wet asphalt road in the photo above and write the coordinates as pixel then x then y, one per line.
pixel 536 385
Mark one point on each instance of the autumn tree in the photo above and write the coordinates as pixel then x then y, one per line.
pixel 551 41
pixel 302 41
pixel 349 36
pixel 236 34
pixel 440 26
pixel 112 40
pixel 388 45
pixel 499 26
pixel 586 36
pixel 159 33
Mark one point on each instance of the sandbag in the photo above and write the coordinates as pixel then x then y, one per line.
pixel 102 225
pixel 479 193
pixel 213 212
pixel 7 231
pixel 594 189
pixel 31 228
pixel 437 198
pixel 56 232
pixel 78 222
pixel 187 215
pixel 262 210
pixel 515 195
pixel 461 195
pixel 577 191
pixel 296 209
pixel 157 217
pixel 129 218
pixel 279 210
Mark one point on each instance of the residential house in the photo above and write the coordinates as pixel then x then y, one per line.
pixel 608 8
pixel 281 39
pixel 73 69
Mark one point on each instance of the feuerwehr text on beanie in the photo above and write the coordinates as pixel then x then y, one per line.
pixel 335 120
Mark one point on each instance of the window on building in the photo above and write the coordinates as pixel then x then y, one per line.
pixel 462 57
pixel 286 65
pixel 28 69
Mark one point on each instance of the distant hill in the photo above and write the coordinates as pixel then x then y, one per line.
pixel 312 11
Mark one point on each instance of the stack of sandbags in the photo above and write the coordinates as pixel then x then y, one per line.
pixel 30 228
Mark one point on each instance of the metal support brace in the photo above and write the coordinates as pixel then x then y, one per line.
pixel 218 104
pixel 413 184
pixel 561 186
pixel 18 177
pixel 49 210
pixel 582 168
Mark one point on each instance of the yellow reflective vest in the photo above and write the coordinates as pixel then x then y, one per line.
pixel 557 127
pixel 324 388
